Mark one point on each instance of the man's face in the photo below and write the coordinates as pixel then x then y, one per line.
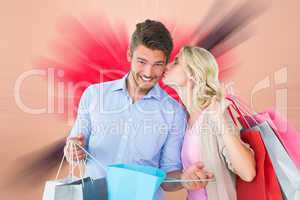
pixel 147 66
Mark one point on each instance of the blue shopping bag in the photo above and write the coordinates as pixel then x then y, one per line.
pixel 133 182
pixel 129 181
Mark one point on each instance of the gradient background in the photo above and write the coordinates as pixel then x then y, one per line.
pixel 27 27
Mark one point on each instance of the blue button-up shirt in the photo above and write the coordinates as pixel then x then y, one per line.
pixel 148 132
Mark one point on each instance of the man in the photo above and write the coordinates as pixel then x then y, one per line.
pixel 132 120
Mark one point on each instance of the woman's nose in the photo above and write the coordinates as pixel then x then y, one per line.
pixel 169 66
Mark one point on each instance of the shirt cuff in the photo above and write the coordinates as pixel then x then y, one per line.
pixel 171 168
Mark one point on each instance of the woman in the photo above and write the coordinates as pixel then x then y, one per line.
pixel 211 136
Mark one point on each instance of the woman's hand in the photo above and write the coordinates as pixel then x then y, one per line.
pixel 195 172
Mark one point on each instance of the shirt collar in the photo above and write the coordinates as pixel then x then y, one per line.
pixel 155 92
pixel 120 84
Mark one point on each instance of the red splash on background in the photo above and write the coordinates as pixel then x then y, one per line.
pixel 94 51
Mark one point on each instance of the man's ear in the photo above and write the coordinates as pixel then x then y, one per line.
pixel 129 55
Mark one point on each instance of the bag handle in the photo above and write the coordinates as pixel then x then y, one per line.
pixel 73 165
pixel 245 109
pixel 71 144
pixel 243 122
pixel 242 110
pixel 92 157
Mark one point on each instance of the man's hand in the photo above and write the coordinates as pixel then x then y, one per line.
pixel 77 154
pixel 195 172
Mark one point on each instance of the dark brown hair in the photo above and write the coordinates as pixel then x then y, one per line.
pixel 153 35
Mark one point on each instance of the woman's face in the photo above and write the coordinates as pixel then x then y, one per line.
pixel 175 74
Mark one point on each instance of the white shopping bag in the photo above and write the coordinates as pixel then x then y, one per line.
pixel 63 189
pixel 73 188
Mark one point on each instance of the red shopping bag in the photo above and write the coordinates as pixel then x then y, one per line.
pixel 265 185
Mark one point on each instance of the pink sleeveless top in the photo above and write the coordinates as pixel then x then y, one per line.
pixel 190 154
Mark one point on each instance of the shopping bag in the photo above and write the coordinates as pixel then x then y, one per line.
pixel 57 190
pixel 95 189
pixel 124 181
pixel 73 188
pixel 81 189
pixel 286 171
pixel 265 185
pixel 133 182
pixel 285 132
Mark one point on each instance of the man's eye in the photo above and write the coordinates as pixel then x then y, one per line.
pixel 142 62
pixel 159 65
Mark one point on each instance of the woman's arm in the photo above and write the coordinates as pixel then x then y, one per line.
pixel 241 157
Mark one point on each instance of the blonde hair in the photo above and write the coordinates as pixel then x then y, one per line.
pixel 203 69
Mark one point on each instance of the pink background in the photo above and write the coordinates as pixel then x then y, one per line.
pixel 27 27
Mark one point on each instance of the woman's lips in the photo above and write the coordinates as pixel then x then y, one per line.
pixel 165 75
